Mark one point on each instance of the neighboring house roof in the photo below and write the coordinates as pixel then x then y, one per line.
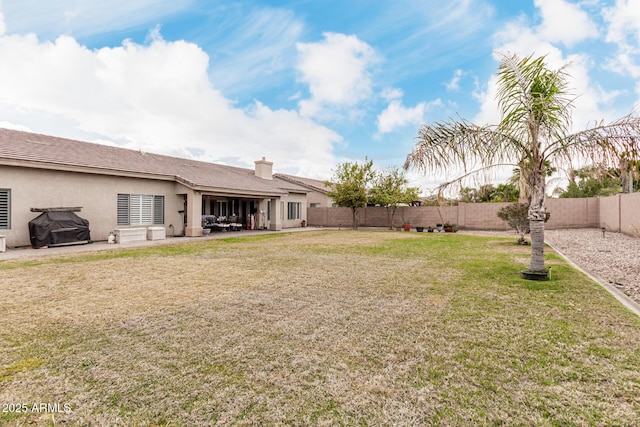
pixel 312 184
pixel 289 186
pixel 19 148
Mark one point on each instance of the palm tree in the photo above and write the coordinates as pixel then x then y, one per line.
pixel 532 135
pixel 517 178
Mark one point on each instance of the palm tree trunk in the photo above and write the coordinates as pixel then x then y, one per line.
pixel 537 246
pixel 624 174
pixel 537 215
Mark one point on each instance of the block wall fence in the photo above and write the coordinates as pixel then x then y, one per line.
pixel 619 213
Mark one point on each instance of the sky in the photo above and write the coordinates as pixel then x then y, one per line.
pixel 308 84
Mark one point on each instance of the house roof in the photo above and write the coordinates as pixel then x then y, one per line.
pixel 312 184
pixel 19 148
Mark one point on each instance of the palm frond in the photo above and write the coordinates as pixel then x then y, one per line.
pixel 475 176
pixel 442 146
pixel 533 98
pixel 602 143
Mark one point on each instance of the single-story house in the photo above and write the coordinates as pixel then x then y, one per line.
pixel 119 188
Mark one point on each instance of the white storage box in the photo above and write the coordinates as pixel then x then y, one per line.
pixel 124 235
pixel 155 233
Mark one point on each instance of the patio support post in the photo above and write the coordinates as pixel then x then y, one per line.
pixel 276 214
pixel 194 214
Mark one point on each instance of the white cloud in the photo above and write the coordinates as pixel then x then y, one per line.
pixel 390 93
pixel 454 83
pixel 624 32
pixel 156 97
pixel 489 114
pixel 397 115
pixel 592 102
pixel 337 72
pixel 564 22
pixel 623 21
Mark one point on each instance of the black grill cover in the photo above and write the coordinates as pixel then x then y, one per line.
pixel 53 228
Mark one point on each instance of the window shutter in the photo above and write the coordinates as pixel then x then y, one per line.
pixel 146 210
pixel 158 209
pixel 5 210
pixel 123 209
pixel 134 209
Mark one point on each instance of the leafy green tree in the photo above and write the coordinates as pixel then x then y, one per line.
pixel 532 134
pixel 390 190
pixel 591 181
pixel 506 192
pixel 350 184
pixel 477 195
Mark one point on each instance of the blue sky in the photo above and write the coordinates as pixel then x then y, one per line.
pixel 307 84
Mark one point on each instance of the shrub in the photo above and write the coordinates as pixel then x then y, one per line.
pixel 517 216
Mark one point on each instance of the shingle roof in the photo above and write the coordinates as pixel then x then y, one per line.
pixel 48 151
pixel 313 184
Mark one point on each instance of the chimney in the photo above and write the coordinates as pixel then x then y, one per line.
pixel 264 169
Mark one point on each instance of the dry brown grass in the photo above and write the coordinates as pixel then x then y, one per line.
pixel 315 328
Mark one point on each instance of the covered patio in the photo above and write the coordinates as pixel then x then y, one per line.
pixel 217 211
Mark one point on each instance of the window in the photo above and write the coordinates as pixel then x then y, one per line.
pixel 158 209
pixel 314 205
pixel 5 209
pixel 221 208
pixel 293 210
pixel 268 210
pixel 140 209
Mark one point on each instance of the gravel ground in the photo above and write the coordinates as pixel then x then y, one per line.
pixel 614 258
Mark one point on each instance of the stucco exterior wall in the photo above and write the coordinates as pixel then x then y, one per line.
pixel 96 194
pixel 315 197
pixel 294 198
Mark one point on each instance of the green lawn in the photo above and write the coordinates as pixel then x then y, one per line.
pixel 314 328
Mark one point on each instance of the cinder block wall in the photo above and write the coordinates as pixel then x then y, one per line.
pixel 610 213
pixel 378 216
pixel 573 213
pixel 329 217
pixel 429 216
pixel 619 213
pixel 630 213
pixel 481 216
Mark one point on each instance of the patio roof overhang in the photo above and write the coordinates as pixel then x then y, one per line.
pixel 239 193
